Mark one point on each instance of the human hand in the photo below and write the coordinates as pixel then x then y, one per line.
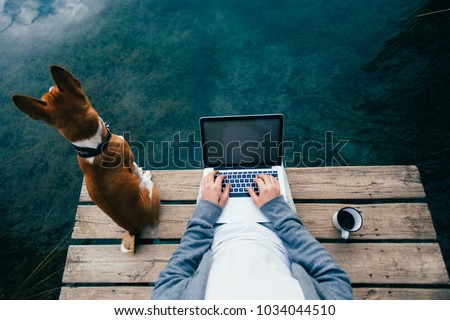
pixel 212 190
pixel 269 188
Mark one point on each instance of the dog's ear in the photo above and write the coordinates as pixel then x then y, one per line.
pixel 35 108
pixel 65 81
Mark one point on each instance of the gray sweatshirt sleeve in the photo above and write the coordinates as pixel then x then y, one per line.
pixel 329 279
pixel 174 280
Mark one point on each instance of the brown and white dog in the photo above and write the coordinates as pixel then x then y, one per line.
pixel 114 181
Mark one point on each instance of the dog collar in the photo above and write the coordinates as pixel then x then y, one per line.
pixel 86 152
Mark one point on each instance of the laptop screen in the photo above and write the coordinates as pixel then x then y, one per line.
pixel 242 141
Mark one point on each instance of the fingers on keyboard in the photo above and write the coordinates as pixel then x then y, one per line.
pixel 240 180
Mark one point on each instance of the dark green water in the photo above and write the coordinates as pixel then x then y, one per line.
pixel 366 74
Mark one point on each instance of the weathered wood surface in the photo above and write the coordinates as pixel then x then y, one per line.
pixel 144 292
pixel 396 255
pixel 106 293
pixel 365 263
pixel 407 221
pixel 401 294
pixel 378 182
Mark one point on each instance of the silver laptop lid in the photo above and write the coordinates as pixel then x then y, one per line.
pixel 249 141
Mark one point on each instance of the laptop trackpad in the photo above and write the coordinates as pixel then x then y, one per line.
pixel 241 210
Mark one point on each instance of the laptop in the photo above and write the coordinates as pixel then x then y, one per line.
pixel 241 147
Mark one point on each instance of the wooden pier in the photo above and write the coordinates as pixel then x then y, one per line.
pixel 395 255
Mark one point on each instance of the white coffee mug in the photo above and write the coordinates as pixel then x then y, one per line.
pixel 347 220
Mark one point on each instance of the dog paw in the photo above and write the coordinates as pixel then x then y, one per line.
pixel 128 244
pixel 148 175
pixel 137 171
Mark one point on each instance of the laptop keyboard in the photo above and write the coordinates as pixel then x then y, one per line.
pixel 242 178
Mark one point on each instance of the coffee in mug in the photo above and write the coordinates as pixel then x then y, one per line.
pixel 347 220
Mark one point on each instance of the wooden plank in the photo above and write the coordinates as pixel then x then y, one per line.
pixel 374 182
pixel 177 184
pixel 391 263
pixel 390 221
pixel 92 223
pixel 405 221
pixel 173 185
pixel 106 293
pixel 371 263
pixel 401 294
pixel 97 264
pixel 143 293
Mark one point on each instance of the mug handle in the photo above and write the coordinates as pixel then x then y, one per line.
pixel 344 234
